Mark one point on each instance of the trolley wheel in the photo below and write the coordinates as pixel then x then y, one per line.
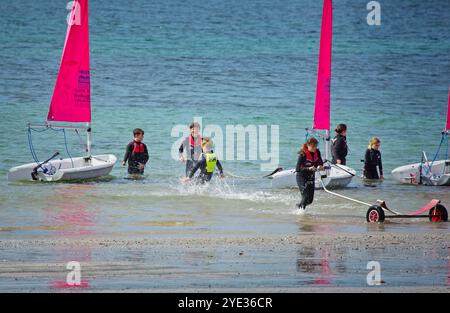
pixel 375 214
pixel 438 214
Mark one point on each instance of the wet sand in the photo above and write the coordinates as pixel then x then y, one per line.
pixel 410 262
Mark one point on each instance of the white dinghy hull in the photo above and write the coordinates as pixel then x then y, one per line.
pixel 336 178
pixel 61 170
pixel 410 174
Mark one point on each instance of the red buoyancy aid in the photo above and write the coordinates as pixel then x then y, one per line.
pixel 197 142
pixel 309 157
pixel 138 147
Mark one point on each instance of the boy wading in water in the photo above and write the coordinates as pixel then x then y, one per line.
pixel 193 147
pixel 136 154
pixel 309 161
pixel 372 160
pixel 207 163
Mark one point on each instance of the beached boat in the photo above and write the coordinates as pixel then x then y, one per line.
pixel 337 176
pixel 71 103
pixel 63 169
pixel 429 172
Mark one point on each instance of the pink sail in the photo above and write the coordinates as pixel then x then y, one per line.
pixel 322 108
pixel 71 100
pixel 448 111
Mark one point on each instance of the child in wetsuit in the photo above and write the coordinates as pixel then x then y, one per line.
pixel 207 163
pixel 136 153
pixel 339 147
pixel 309 161
pixel 372 160
pixel 192 146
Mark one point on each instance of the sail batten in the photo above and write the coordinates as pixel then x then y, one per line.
pixel 71 100
pixel 323 89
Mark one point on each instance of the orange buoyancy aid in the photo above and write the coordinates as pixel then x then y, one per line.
pixel 196 142
pixel 138 147
pixel 309 156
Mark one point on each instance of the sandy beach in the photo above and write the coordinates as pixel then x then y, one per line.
pixel 307 263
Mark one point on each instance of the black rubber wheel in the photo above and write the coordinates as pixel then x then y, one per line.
pixel 438 214
pixel 375 214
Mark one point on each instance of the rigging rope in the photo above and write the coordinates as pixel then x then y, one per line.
pixel 67 149
pixel 446 151
pixel 428 168
pixel 31 146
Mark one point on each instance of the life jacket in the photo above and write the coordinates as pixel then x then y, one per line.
pixel 196 142
pixel 211 161
pixel 138 147
pixel 310 160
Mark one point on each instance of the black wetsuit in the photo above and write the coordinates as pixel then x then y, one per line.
pixel 136 152
pixel 194 152
pixel 372 159
pixel 339 149
pixel 204 175
pixel 306 177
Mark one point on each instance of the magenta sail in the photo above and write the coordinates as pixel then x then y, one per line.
pixel 71 100
pixel 322 108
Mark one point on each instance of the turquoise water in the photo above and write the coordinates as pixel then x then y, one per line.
pixel 158 64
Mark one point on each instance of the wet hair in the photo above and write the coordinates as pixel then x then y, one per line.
pixel 373 141
pixel 207 143
pixel 340 128
pixel 194 124
pixel 137 132
pixel 310 142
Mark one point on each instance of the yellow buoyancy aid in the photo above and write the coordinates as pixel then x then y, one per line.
pixel 211 161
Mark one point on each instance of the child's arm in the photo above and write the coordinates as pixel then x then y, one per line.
pixel 300 163
pixel 319 157
pixel 127 154
pixel 380 166
pixel 320 160
pixel 366 161
pixel 181 150
pixel 146 156
pixel 219 166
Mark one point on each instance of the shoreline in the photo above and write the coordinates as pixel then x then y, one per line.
pixel 374 239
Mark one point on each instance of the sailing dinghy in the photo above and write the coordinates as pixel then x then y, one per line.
pixel 337 176
pixel 71 103
pixel 429 172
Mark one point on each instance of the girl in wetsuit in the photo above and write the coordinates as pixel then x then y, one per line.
pixel 372 160
pixel 309 160
pixel 339 147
